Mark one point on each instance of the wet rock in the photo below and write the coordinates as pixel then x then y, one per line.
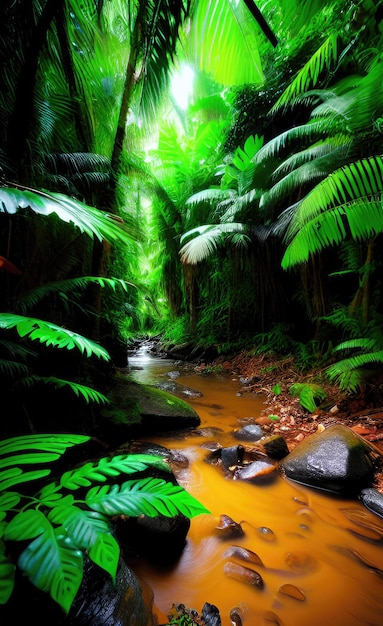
pixel 239 552
pixel 174 374
pixel 266 533
pixel 301 562
pixel 250 432
pixel 243 574
pixel 256 470
pixel 237 616
pixel 372 500
pixel 272 619
pixel 275 447
pixel 228 528
pixel 99 602
pixel 232 456
pixel 292 591
pixel 210 615
pixel 368 526
pixel 175 458
pixel 158 539
pixel 336 460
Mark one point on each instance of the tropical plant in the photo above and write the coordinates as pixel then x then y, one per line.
pixel 309 394
pixel 46 532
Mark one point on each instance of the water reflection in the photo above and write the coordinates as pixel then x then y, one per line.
pixel 319 557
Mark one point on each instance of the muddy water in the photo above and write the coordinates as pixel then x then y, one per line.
pixel 321 556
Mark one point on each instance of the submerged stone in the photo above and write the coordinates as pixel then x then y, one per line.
pixel 255 470
pixel 243 574
pixel 336 460
pixel 372 500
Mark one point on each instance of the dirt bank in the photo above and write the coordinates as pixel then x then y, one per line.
pixel 284 414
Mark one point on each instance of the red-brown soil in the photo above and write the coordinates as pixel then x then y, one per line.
pixel 259 374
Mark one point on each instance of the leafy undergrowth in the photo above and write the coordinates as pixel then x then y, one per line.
pixel 275 378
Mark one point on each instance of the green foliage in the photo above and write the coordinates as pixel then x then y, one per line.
pixel 59 527
pixel 346 204
pixel 309 394
pixel 88 219
pixel 361 354
pixel 277 389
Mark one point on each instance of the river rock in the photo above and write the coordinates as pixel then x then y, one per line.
pixel 158 539
pixel 336 460
pixel 258 469
pixel 372 500
pixel 99 601
pixel 250 432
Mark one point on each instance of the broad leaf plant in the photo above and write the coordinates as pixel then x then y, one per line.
pixel 71 516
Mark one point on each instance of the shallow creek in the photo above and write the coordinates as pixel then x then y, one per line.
pixel 326 551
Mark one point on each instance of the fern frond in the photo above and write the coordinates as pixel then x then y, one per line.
pixel 51 335
pixel 71 285
pixel 87 393
pixel 347 203
pixel 308 75
pixel 149 496
pixel 305 132
pixel 108 467
pixel 43 442
pixel 13 368
pixel 350 373
pixel 88 219
pixel 340 144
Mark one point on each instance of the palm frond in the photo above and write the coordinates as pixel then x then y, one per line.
pixel 51 335
pixel 211 195
pixel 348 203
pixel 307 173
pixel 202 246
pixel 13 369
pixel 59 288
pixel 223 36
pixel 340 143
pixel 313 130
pixel 87 393
pixel 88 219
pixel 309 74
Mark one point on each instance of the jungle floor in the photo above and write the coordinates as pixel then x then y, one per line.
pixel 361 412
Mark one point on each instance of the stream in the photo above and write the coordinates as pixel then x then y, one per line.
pixel 320 558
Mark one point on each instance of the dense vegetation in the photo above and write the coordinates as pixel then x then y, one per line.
pixel 249 215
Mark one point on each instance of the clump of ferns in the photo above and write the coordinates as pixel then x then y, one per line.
pixel 27 342
pixel 361 355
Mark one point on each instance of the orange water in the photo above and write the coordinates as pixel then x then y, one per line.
pixel 329 549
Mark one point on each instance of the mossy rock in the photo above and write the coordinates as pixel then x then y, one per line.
pixel 138 409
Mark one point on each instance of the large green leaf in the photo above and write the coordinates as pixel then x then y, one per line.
pixel 53 565
pixel 149 496
pixel 15 476
pixel 27 525
pixel 105 552
pixel 51 335
pixel 110 467
pixel 347 204
pixel 88 219
pixel 45 442
pixel 82 526
pixel 7 575
pixel 224 34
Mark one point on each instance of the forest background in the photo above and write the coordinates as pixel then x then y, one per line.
pixel 246 215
